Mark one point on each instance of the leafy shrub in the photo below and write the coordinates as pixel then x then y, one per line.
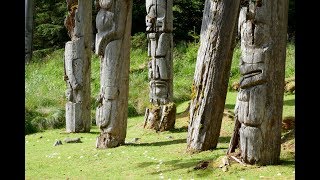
pixel 29 128
pixel 139 41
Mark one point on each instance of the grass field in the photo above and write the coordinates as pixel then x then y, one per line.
pixel 154 156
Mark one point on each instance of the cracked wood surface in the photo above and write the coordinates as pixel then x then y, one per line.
pixel 209 89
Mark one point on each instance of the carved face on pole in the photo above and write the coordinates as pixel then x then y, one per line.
pixel 156 14
pixel 105 25
pixel 253 87
pixel 159 36
pixel 252 104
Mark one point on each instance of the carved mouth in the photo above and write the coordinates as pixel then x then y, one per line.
pixel 252 78
pixel 252 73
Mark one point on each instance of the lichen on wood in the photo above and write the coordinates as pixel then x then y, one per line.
pixel 209 89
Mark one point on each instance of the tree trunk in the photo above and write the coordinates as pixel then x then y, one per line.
pixel 113 23
pixel 29 10
pixel 263 26
pixel 77 64
pixel 212 73
pixel 161 115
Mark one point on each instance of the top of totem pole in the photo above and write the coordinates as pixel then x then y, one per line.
pixel 159 16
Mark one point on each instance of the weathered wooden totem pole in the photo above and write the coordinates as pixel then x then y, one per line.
pixel 113 23
pixel 161 115
pixel 29 10
pixel 77 62
pixel 259 105
pixel 209 89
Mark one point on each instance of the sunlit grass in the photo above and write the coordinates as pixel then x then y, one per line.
pixel 153 156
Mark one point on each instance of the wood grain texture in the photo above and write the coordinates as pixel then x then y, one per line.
pixel 159 26
pixel 209 89
pixel 263 26
pixel 29 16
pixel 77 67
pixel 113 23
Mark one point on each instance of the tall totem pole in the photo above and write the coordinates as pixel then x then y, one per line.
pixel 29 10
pixel 159 25
pixel 258 111
pixel 77 62
pixel 212 71
pixel 113 23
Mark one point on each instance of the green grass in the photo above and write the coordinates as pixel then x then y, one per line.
pixel 152 155
pixel 290 61
pixel 288 105
pixel 44 82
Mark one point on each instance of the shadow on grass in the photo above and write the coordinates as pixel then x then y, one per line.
pixel 180 129
pixel 189 165
pixel 287 162
pixel 94 132
pixel 229 106
pixel 182 114
pixel 224 139
pixel 146 164
pixel 289 102
pixel 162 143
pixel 91 132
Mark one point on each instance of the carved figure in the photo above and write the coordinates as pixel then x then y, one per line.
pixel 258 111
pixel 159 34
pixel 77 66
pixel 113 23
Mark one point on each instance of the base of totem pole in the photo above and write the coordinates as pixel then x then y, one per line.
pixel 73 119
pixel 160 118
pixel 105 140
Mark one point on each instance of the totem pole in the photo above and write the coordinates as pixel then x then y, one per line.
pixel 29 10
pixel 259 105
pixel 210 82
pixel 77 62
pixel 113 23
pixel 159 25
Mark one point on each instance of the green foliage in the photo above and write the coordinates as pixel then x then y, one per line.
pixel 40 54
pixel 49 30
pixel 139 13
pixel 139 41
pixel 234 71
pixel 138 90
pixel 45 92
pixel 290 60
pixel 292 20
pixel 187 19
pixel 42 119
pixel 29 128
pixel 184 60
